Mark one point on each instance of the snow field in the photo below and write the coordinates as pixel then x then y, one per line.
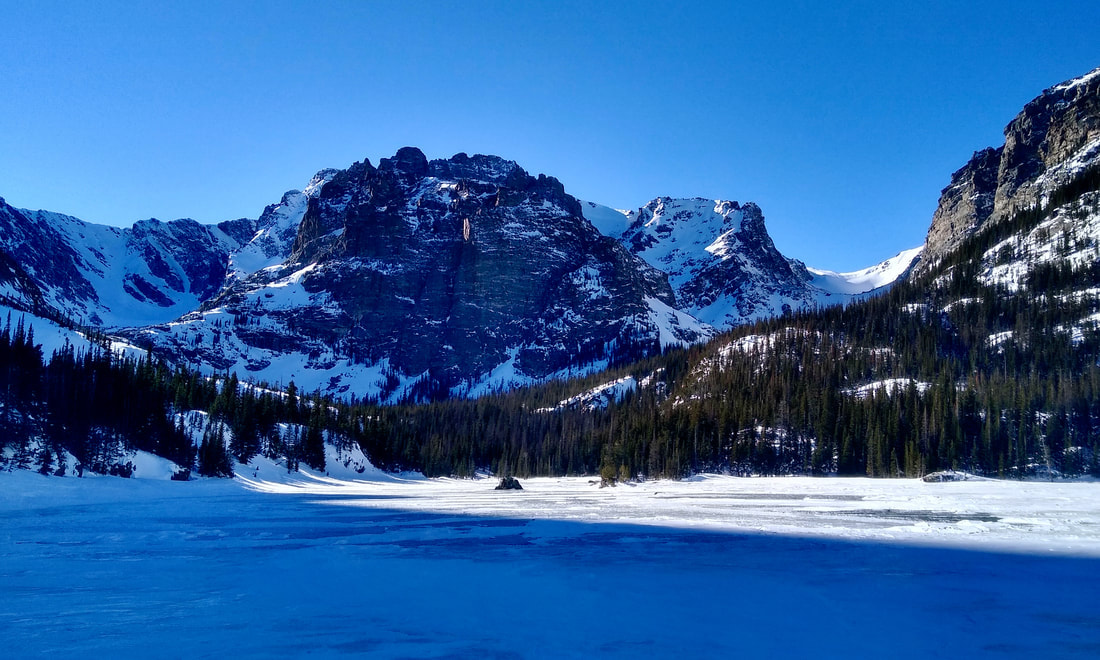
pixel 390 568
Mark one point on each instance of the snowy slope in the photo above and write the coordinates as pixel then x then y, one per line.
pixel 867 279
pixel 53 337
pixel 610 222
pixel 109 276
pixel 277 229
pixel 679 235
pixel 119 264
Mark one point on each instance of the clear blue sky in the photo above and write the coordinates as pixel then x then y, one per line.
pixel 842 120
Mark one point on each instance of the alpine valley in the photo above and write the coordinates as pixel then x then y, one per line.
pixel 459 315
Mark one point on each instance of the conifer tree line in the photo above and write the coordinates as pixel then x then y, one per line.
pixel 96 406
pixel 991 378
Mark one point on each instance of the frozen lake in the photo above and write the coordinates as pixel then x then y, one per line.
pixel 715 567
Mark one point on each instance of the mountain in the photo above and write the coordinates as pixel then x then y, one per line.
pixel 722 264
pixel 429 278
pixel 418 278
pixel 109 277
pixel 1051 141
pixel 984 356
pixel 866 280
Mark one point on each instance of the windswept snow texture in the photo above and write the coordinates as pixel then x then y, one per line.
pixel 393 568
pixel 868 279
pixel 610 222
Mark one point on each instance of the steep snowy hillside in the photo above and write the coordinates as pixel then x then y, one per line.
pixel 276 230
pixel 107 276
pixel 610 222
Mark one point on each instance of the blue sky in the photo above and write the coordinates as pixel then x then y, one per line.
pixel 842 120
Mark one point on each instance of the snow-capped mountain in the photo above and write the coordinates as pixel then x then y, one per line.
pixel 722 263
pixel 868 279
pixel 105 276
pixel 454 275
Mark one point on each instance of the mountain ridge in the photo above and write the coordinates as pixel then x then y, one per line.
pixel 267 298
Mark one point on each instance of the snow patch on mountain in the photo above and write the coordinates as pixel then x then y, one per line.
pixel 597 398
pixel 891 386
pixel 610 222
pixel 677 328
pixel 1078 81
pixel 867 279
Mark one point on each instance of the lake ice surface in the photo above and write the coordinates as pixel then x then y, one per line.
pixel 392 568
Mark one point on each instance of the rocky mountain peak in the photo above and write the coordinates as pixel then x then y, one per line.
pixel 1056 135
pixel 449 273
pixel 485 169
pixel 416 278
pixel 1047 132
pixel 721 262
pixel 408 161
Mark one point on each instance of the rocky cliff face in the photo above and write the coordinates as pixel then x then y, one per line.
pixel 965 204
pixel 1056 135
pixel 450 273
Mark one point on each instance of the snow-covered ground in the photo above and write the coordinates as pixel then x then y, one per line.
pixel 395 567
pixel 985 514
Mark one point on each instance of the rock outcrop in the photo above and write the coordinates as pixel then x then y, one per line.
pixel 1056 135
